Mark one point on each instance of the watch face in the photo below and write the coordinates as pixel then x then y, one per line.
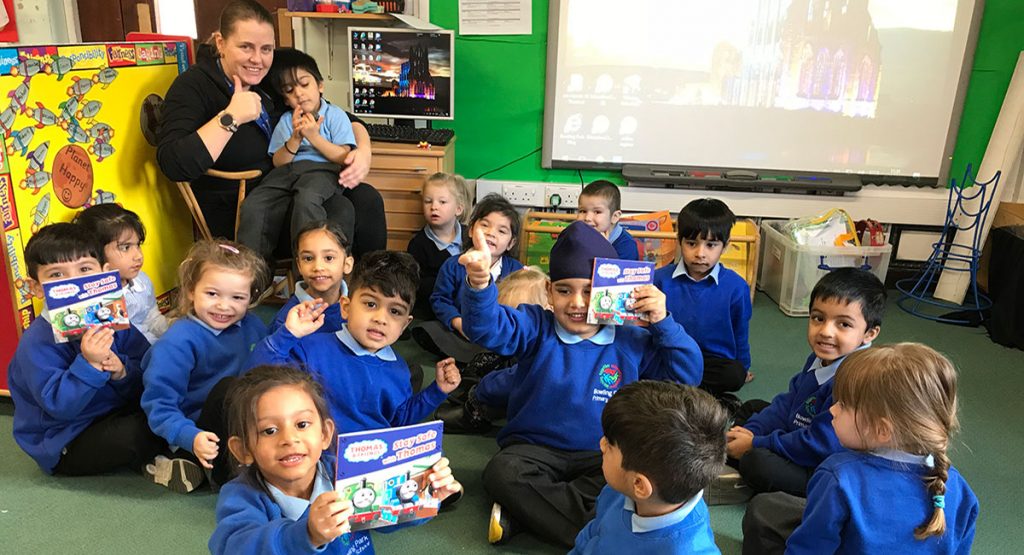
pixel 227 120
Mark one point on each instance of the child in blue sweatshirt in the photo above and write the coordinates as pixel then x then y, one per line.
pixel 285 502
pixel 367 383
pixel 321 252
pixel 711 301
pixel 76 408
pixel 499 221
pixel 895 491
pixel 548 472
pixel 663 444
pixel 600 206
pixel 779 447
pixel 186 370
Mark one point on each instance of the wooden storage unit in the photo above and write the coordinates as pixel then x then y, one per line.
pixel 398 171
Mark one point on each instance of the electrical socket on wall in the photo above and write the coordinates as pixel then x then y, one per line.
pixel 522 194
pixel 568 194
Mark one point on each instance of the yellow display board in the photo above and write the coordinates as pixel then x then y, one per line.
pixel 79 126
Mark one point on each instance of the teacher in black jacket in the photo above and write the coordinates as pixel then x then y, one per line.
pixel 217 116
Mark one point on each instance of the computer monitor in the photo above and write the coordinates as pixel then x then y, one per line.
pixel 402 73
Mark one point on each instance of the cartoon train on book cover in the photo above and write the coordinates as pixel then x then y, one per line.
pixel 78 127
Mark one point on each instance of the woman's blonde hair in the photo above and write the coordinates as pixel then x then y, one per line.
pixel 223 254
pixel 912 387
pixel 456 184
pixel 528 285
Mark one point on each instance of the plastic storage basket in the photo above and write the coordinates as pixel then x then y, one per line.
pixel 790 271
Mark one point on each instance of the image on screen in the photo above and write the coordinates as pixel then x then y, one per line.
pixel 400 73
pixel 850 86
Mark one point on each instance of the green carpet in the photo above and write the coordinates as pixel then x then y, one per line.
pixel 122 513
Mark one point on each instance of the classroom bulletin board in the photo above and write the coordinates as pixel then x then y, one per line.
pixel 78 126
pixel 499 108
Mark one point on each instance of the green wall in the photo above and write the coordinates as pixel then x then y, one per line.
pixel 499 94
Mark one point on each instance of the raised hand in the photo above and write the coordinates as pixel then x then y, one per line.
pixel 477 261
pixel 205 448
pixel 245 105
pixel 305 317
pixel 448 376
pixel 328 518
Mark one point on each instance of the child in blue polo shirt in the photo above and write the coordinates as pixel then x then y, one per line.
pixel 778 448
pixel 309 146
pixel 711 301
pixel 548 472
pixel 366 382
pixel 663 444
pixel 76 404
pixel 600 206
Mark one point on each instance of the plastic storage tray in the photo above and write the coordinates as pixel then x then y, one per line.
pixel 790 271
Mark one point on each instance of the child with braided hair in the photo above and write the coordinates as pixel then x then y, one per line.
pixel 895 408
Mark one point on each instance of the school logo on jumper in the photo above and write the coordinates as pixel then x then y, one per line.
pixel 811 406
pixel 610 376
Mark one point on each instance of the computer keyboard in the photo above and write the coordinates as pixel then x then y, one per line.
pixel 410 135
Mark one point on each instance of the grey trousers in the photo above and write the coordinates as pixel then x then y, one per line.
pixel 311 190
pixel 769 521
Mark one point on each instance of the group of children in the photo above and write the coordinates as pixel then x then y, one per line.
pixel 616 438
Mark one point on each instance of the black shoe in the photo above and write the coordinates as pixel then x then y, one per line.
pixel 458 421
pixel 501 527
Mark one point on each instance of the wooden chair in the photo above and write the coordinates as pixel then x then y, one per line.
pixel 742 256
pixel 283 265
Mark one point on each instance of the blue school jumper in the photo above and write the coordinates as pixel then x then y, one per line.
pixel 872 502
pixel 251 521
pixel 562 383
pixel 366 391
pixel 623 243
pixel 58 394
pixel 797 425
pixel 452 279
pixel 332 316
pixel 715 311
pixel 617 528
pixel 184 365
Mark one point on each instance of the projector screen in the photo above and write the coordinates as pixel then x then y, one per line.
pixel 870 87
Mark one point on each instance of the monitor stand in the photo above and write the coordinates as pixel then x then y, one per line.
pixel 417 123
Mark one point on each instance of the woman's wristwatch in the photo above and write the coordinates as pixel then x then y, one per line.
pixel 227 121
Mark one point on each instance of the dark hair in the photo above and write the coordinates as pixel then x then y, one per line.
pixel 287 63
pixel 497 203
pixel 108 222
pixel 606 190
pixel 705 218
pixel 390 273
pixel 329 227
pixel 849 285
pixel 673 434
pixel 242 10
pixel 59 243
pixel 244 399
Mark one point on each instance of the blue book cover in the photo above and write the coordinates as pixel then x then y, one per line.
pixel 612 285
pixel 384 474
pixel 79 303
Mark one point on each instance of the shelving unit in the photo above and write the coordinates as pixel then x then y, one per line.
pixel 285 17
